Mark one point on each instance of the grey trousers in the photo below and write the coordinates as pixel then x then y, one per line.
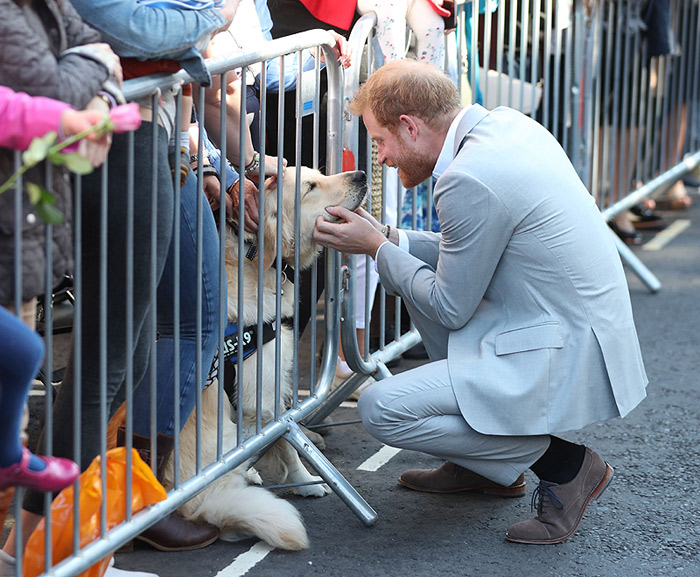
pixel 417 410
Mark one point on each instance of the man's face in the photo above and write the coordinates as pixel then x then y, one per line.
pixel 400 150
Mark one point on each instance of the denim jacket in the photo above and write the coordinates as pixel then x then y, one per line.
pixel 152 33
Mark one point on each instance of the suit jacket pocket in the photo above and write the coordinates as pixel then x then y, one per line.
pixel 544 336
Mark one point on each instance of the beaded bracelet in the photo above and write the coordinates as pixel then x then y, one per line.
pixel 254 164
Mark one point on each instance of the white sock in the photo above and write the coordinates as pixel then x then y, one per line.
pixel 185 143
pixel 114 572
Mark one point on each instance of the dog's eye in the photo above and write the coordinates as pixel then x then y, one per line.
pixel 312 185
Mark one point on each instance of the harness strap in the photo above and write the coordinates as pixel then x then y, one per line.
pixel 249 338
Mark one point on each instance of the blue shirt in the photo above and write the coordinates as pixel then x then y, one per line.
pixel 135 30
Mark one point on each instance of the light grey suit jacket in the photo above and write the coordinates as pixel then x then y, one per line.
pixel 526 277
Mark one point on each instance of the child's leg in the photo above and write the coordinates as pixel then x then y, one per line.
pixel 20 358
pixel 429 28
pixel 391 25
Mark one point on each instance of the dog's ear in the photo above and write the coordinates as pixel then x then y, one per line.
pixel 270 183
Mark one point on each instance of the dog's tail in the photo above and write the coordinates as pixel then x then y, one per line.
pixel 241 510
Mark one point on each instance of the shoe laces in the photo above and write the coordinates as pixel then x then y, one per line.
pixel 541 497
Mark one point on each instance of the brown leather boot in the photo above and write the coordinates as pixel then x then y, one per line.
pixel 451 478
pixel 560 508
pixel 173 532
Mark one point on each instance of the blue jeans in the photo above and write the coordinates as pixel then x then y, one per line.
pixel 165 347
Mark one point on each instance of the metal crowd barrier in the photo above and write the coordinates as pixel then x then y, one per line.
pixel 284 425
pixel 578 69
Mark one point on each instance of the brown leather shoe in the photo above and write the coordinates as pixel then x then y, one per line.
pixel 560 508
pixel 174 533
pixel 451 478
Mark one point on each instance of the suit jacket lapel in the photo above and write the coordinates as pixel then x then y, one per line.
pixel 475 114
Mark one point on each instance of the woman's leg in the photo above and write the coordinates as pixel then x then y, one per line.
pixel 188 343
pixel 95 370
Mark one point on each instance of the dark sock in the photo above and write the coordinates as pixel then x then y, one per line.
pixel 561 462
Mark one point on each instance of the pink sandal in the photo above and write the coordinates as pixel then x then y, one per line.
pixel 58 473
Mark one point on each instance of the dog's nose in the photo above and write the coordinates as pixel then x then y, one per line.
pixel 359 177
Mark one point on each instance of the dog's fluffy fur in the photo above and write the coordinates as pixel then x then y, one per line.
pixel 231 503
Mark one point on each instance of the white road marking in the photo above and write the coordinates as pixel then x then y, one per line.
pixel 380 458
pixel 246 561
pixel 662 238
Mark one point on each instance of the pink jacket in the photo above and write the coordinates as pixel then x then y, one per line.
pixel 23 117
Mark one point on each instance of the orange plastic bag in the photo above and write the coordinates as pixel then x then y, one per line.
pixel 146 491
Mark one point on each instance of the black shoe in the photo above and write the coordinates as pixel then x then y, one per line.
pixel 692 182
pixel 628 237
pixel 646 219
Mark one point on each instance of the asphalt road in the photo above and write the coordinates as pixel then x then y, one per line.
pixel 646 524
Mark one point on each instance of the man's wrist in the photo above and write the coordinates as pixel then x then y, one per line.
pixel 375 253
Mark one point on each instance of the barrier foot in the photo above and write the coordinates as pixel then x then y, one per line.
pixel 330 474
pixel 637 266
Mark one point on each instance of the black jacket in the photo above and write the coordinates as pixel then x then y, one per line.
pixel 33 37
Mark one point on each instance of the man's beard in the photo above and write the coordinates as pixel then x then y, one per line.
pixel 414 167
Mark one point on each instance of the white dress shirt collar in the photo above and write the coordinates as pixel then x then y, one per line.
pixel 446 154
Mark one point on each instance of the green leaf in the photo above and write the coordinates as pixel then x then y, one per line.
pixel 47 196
pixel 39 148
pixel 78 164
pixel 34 192
pixel 58 158
pixel 48 213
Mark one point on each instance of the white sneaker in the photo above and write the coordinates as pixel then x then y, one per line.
pixel 342 373
pixel 7 565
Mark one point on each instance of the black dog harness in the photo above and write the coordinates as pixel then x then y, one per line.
pixel 248 337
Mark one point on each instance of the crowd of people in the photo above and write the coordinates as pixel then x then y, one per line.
pixel 538 341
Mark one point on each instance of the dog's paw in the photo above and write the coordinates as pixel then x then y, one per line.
pixel 319 490
pixel 253 477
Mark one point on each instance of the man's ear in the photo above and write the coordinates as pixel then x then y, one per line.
pixel 409 125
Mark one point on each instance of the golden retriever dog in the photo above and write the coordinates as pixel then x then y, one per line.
pixel 231 503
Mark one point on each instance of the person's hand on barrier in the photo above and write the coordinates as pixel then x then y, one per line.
pixel 250 204
pixel 96 147
pixel 103 52
pixel 341 50
pixel 353 232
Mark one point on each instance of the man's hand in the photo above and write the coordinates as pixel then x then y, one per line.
pixel 354 233
pixel 250 204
